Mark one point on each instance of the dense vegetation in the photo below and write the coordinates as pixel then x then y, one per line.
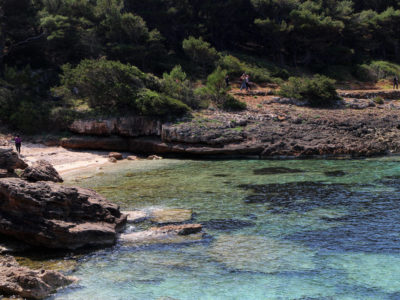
pixel 59 56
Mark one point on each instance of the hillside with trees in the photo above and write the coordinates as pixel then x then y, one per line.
pixel 64 59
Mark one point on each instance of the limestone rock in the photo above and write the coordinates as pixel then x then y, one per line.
pixel 154 157
pixel 112 159
pixel 27 283
pixel 165 216
pixel 116 155
pixel 10 160
pixel 126 126
pixel 132 157
pixel 135 216
pixel 49 215
pixel 41 170
pixel 173 234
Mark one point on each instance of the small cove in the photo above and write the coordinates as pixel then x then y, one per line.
pixel 309 235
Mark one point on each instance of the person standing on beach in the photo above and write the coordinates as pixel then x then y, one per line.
pixel 18 142
pixel 395 82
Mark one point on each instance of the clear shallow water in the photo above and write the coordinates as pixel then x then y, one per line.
pixel 298 234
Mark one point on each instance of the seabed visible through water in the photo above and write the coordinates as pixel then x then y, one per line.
pixel 292 229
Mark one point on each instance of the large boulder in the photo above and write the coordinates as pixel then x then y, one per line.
pixel 10 160
pixel 46 214
pixel 27 283
pixel 41 170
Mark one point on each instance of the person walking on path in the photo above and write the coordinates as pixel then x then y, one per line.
pixel 247 80
pixel 243 80
pixel 396 82
pixel 227 80
pixel 18 142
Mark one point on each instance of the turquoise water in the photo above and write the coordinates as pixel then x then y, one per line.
pixel 293 229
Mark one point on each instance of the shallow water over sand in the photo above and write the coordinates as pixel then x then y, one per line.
pixel 293 229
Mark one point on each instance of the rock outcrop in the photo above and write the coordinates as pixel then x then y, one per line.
pixel 126 126
pixel 41 170
pixel 9 160
pixel 116 155
pixel 45 214
pixel 357 128
pixel 27 283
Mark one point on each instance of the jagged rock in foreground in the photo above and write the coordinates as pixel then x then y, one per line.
pixel 9 160
pixel 27 283
pixel 41 170
pixel 172 234
pixel 45 214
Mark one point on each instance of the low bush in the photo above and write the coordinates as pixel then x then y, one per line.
pixel 318 91
pixel 201 53
pixel 231 103
pixel 378 100
pixel 152 103
pixel 384 69
pixel 178 86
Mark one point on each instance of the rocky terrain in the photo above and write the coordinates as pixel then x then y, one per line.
pixel 271 127
pixel 28 283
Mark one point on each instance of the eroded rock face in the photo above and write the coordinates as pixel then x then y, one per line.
pixel 45 214
pixel 27 283
pixel 41 170
pixel 127 126
pixel 9 160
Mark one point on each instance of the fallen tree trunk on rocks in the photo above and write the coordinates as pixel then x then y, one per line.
pixel 49 215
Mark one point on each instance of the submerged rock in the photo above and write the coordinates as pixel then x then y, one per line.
pixel 135 216
pixel 172 234
pixel 27 283
pixel 227 224
pixel 48 215
pixel 338 173
pixel 41 170
pixel 260 254
pixel 276 170
pixel 174 215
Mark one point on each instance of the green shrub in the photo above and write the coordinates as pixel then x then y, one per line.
pixel 200 52
pixel 317 91
pixel 152 103
pixel 235 67
pixel 378 100
pixel 29 117
pixel 107 85
pixel 232 103
pixel 384 69
pixel 176 85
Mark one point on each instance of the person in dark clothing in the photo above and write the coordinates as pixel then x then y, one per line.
pixel 227 80
pixel 396 82
pixel 18 142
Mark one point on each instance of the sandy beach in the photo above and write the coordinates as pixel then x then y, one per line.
pixel 62 159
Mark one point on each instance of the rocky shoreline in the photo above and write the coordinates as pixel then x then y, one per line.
pixel 277 128
pixel 36 212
